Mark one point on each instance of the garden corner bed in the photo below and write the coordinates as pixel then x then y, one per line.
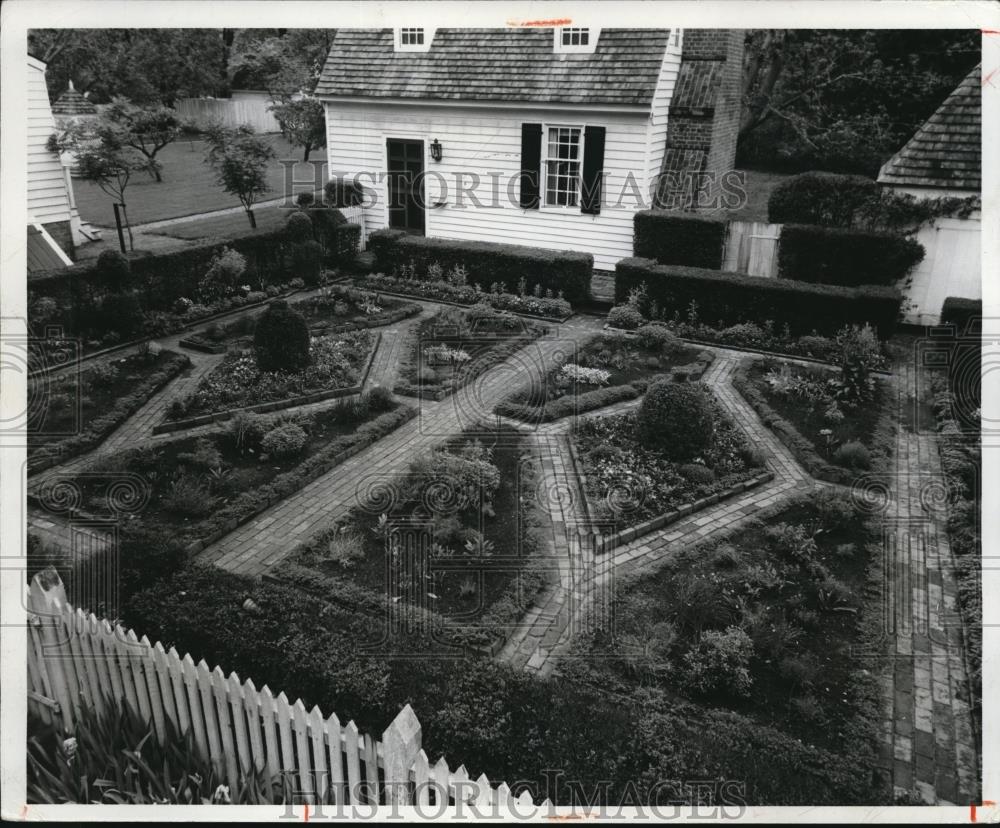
pixel 72 413
pixel 834 440
pixel 458 536
pixel 609 368
pixel 450 349
pixel 767 622
pixel 633 486
pixel 339 364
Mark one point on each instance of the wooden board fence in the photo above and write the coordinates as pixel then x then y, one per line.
pixel 228 112
pixel 752 248
pixel 75 658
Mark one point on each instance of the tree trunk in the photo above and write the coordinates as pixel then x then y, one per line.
pixel 305 154
pixel 769 62
pixel 250 215
pixel 128 226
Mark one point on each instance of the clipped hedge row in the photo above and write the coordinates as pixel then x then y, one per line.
pixel 833 256
pixel 830 199
pixel 100 427
pixel 673 238
pixel 728 298
pixel 960 312
pixel 486 262
pixel 570 404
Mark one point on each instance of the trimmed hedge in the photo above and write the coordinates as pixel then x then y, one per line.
pixel 727 298
pixel 486 262
pixel 824 198
pixel 99 428
pixel 679 239
pixel 833 256
pixel 960 312
pixel 570 404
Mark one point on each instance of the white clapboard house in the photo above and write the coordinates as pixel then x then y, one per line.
pixel 944 158
pixel 544 137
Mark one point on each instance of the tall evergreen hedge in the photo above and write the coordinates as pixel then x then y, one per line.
pixel 672 238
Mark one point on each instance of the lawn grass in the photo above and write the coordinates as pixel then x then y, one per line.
pixel 797 585
pixel 231 225
pixel 759 184
pixel 188 185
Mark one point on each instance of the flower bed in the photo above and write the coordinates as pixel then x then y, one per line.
pixel 627 482
pixel 336 309
pixel 453 347
pixel 482 537
pixel 609 368
pixel 338 362
pixel 833 441
pixel 552 308
pixel 766 622
pixel 79 410
pixel 197 489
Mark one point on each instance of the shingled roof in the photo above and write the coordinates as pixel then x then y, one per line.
pixel 946 150
pixel 496 65
pixel 72 102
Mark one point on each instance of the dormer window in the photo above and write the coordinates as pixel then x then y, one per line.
pixel 413 40
pixel 576 39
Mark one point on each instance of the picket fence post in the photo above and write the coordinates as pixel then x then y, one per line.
pixel 400 748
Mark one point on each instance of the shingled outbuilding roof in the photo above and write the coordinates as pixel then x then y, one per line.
pixel 496 65
pixel 947 150
pixel 72 102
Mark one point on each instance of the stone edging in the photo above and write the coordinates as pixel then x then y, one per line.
pixel 277 405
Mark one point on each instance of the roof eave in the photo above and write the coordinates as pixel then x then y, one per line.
pixel 458 103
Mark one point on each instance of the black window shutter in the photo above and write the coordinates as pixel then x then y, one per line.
pixel 531 163
pixel 593 170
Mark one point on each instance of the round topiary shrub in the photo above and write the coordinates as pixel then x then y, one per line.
pixel 114 268
pixel 307 261
pixel 677 419
pixel 697 473
pixel 284 441
pixel 625 316
pixel 305 200
pixel 853 455
pixel 299 227
pixel 657 338
pixel 281 339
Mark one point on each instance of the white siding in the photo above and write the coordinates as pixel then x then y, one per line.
pixel 661 106
pixel 47 198
pixel 486 140
pixel 951 267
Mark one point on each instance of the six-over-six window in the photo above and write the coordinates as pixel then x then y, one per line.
pixel 562 165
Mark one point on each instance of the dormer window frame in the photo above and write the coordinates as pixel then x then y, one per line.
pixel 412 39
pixel 579 33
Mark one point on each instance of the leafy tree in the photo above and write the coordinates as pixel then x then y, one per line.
pixel 240 158
pixel 103 156
pixel 146 128
pixel 303 123
pixel 145 65
pixel 844 100
pixel 284 62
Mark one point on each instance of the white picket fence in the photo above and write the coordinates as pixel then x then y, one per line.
pixel 75 657
pixel 228 112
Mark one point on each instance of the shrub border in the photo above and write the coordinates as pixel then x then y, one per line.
pixel 61 451
pixel 801 448
pixel 554 319
pixel 277 405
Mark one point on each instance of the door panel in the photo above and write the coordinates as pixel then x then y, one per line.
pixel 406 185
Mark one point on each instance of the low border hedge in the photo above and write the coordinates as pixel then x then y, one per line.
pixel 727 298
pixel 98 429
pixel 570 404
pixel 673 238
pixel 568 271
pixel 834 256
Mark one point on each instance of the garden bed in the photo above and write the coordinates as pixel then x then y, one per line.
pixel 635 487
pixel 335 310
pixel 609 368
pixel 767 622
pixel 837 444
pixel 339 368
pixel 453 347
pixel 549 309
pixel 76 411
pixel 197 489
pixel 479 537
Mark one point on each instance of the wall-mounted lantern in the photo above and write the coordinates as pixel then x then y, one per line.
pixel 436 150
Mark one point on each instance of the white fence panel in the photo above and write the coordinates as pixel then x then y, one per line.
pixel 228 112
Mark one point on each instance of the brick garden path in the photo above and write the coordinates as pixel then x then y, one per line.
pixel 927 743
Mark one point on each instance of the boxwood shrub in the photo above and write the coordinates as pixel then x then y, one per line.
pixel 822 198
pixel 960 312
pixel 679 239
pixel 486 262
pixel 833 256
pixel 728 298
